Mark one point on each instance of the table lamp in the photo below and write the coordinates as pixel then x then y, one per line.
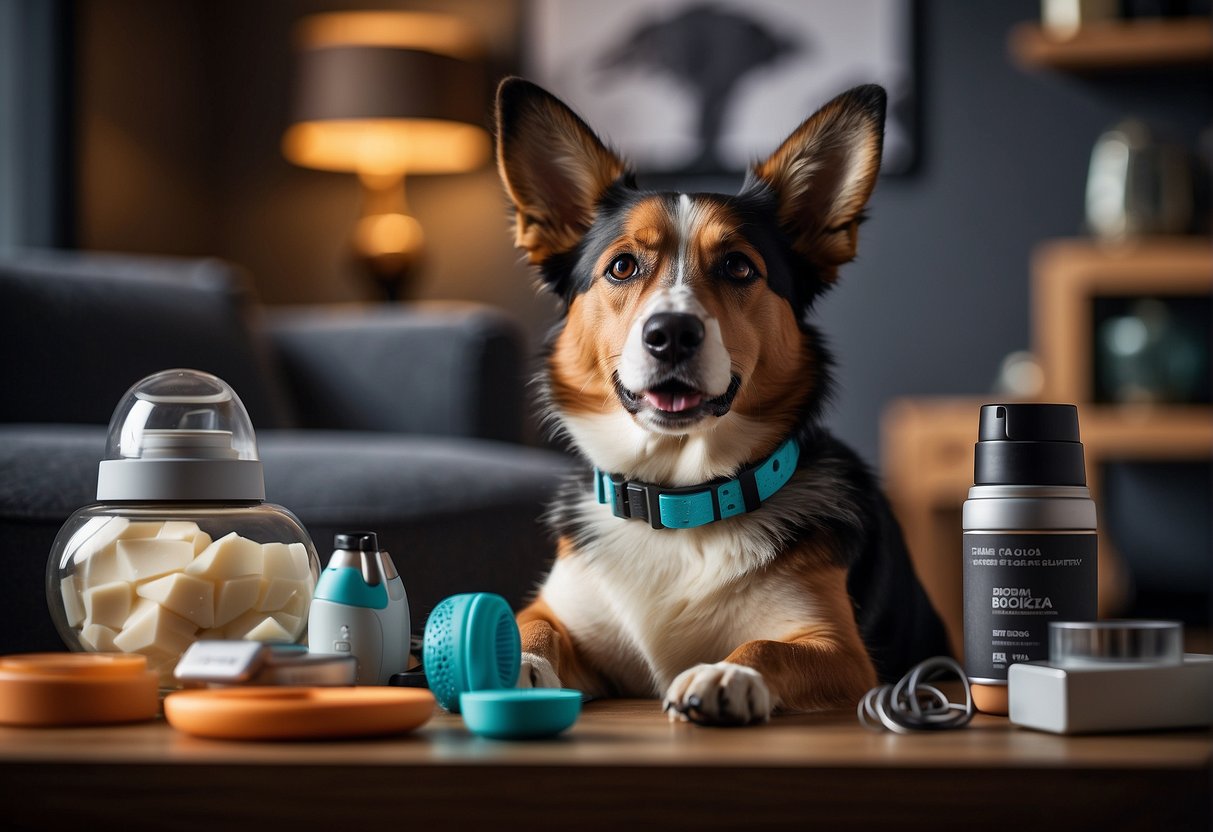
pixel 384 95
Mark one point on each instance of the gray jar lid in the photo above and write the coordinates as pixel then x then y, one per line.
pixel 1092 643
pixel 181 435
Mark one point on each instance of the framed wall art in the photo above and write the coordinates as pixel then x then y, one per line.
pixel 691 88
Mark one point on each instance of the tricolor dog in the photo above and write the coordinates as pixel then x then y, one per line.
pixel 725 552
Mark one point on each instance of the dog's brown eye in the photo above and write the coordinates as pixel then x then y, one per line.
pixel 738 267
pixel 623 267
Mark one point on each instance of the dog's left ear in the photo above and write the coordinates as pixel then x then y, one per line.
pixel 823 174
pixel 553 166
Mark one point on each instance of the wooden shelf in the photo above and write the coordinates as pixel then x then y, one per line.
pixel 1115 45
pixel 1128 432
pixel 1067 274
pixel 931 454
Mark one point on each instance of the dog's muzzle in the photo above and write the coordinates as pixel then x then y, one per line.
pixel 674 369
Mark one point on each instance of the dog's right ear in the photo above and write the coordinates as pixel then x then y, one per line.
pixel 554 168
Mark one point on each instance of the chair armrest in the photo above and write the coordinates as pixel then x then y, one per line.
pixel 77 329
pixel 432 368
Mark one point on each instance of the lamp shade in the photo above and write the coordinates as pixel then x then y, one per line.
pixel 378 99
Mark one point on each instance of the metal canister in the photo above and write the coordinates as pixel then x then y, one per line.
pixel 1029 541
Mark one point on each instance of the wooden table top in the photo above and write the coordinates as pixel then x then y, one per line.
pixel 622 764
pixel 636 732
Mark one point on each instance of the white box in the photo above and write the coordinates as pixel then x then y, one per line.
pixel 1107 696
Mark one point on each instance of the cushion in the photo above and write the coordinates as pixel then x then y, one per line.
pixel 115 319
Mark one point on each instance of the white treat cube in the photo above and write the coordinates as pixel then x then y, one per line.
pixel 96 534
pixel 277 593
pixel 269 630
pixel 257 626
pixel 287 561
pixel 231 556
pixel 101 567
pixel 147 558
pixel 301 562
pixel 100 533
pixel 186 530
pixel 137 530
pixel 155 632
pixel 201 541
pixel 108 604
pixel 293 624
pixel 99 638
pixel 236 597
pixel 299 604
pixel 73 603
pixel 191 598
pixel 93 548
pixel 178 530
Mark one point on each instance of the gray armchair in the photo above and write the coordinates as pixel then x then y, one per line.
pixel 404 420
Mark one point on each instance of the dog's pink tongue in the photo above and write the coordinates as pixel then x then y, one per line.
pixel 673 402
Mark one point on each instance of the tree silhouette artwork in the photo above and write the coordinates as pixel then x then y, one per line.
pixel 707 49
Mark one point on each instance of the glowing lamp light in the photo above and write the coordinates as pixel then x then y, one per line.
pixel 384 95
pixel 386 146
pixel 388 234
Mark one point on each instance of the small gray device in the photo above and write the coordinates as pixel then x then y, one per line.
pixel 1106 676
pixel 228 663
pixel 360 608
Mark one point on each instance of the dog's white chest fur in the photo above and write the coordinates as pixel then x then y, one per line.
pixel 643 604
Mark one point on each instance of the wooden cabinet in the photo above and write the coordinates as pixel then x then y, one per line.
pixel 1115 45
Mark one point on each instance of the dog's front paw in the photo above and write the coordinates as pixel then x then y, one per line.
pixel 719 694
pixel 537 672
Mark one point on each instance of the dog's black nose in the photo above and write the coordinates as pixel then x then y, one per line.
pixel 672 336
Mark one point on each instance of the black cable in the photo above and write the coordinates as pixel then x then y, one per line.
pixel 912 705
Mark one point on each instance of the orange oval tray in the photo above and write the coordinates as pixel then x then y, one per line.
pixel 298 713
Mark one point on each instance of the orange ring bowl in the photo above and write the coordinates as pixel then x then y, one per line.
pixel 284 713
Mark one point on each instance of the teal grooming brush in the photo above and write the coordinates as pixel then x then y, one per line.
pixel 471 643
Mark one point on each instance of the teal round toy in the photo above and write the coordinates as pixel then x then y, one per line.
pixel 471 643
pixel 521 713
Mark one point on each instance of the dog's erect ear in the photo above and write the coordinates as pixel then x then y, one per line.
pixel 823 174
pixel 553 166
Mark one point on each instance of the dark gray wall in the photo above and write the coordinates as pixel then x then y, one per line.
pixel 35 169
pixel 189 120
pixel 939 293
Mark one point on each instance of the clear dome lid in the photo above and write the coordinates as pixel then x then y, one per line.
pixel 181 435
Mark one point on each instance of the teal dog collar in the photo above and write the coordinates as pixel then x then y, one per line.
pixel 698 505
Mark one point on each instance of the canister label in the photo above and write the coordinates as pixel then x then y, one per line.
pixel 1014 585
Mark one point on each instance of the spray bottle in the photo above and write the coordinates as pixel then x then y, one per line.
pixel 1029 542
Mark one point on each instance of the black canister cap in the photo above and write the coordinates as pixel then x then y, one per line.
pixel 1029 444
pixel 356 541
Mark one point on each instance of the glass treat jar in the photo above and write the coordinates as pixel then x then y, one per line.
pixel 181 544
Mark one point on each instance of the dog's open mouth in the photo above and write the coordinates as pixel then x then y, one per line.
pixel 673 396
pixel 674 400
